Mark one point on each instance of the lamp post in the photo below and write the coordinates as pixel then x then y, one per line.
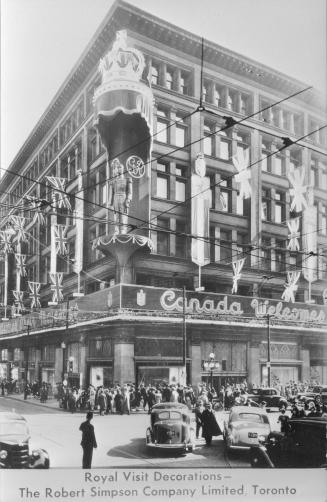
pixel 211 365
pixel 268 351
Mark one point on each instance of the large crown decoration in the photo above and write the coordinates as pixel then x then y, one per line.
pixel 122 62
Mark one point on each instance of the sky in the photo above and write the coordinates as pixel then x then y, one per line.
pixel 41 40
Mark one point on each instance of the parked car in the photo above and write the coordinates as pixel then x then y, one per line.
pixel 305 445
pixel 269 395
pixel 170 428
pixel 14 445
pixel 306 397
pixel 245 427
pixel 324 395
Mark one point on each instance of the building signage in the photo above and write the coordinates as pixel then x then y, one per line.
pixel 214 304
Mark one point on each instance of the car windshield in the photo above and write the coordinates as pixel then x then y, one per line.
pixel 165 415
pixel 251 417
pixel 13 429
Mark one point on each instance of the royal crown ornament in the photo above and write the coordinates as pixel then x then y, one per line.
pixel 122 62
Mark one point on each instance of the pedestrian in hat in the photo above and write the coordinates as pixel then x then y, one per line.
pixel 210 426
pixel 88 440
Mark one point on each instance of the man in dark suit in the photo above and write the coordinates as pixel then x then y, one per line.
pixel 88 440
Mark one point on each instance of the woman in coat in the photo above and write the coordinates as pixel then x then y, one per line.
pixel 210 426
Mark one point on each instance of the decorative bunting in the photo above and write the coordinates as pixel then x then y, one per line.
pixel 61 239
pixel 59 185
pixel 18 224
pixel 34 294
pixel 237 268
pixel 296 177
pixel 294 235
pixel 5 241
pixel 291 286
pixel 21 264
pixel 19 303
pixel 241 163
pixel 57 286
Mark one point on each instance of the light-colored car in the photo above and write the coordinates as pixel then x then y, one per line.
pixel 245 427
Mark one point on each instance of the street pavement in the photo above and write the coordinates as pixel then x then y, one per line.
pixel 121 438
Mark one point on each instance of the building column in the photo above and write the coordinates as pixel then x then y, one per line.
pixel 59 360
pixel 196 362
pixel 253 365
pixel 124 364
pixel 305 369
pixel 82 365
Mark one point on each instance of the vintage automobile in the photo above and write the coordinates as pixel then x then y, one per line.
pixel 305 445
pixel 305 397
pixel 246 426
pixel 14 445
pixel 269 395
pixel 171 428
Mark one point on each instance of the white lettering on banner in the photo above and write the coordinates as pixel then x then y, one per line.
pixel 290 314
pixel 170 302
pixel 193 306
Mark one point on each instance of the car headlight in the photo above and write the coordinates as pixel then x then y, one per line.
pixel 3 454
pixel 262 438
pixel 35 454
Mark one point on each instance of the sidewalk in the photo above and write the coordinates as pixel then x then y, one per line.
pixel 51 403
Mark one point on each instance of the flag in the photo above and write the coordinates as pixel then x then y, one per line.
pixel 241 163
pixel 61 239
pixel 18 223
pixel 56 286
pixel 296 178
pixel 291 286
pixel 5 241
pixel 293 226
pixel 21 264
pixel 59 185
pixel 34 294
pixel 19 304
pixel 200 209
pixel 237 268
pixel 35 207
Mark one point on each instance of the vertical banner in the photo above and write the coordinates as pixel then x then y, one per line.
pixel 200 208
pixel 309 241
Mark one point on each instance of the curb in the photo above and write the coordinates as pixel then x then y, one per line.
pixel 35 403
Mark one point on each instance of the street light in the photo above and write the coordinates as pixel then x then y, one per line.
pixel 211 365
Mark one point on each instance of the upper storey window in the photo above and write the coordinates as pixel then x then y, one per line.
pixel 169 76
pixel 279 117
pixel 72 123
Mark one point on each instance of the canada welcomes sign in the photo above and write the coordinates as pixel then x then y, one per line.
pixel 216 305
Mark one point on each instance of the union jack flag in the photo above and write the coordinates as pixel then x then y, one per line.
pixel 291 286
pixel 19 304
pixel 35 206
pixel 237 268
pixel 298 192
pixel 61 239
pixel 56 286
pixel 294 235
pixel 243 177
pixel 5 241
pixel 34 294
pixel 18 223
pixel 59 185
pixel 21 264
